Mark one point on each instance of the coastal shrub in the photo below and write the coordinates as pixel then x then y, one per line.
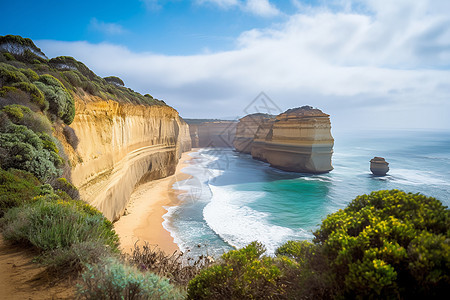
pixel 388 244
pixel 30 74
pixel 71 136
pixel 73 259
pixel 177 267
pixel 114 80
pixel 61 102
pixel 242 274
pixel 37 97
pixel 21 148
pixel 50 224
pixel 112 279
pixel 9 56
pixel 16 188
pixel 62 184
pixel 22 115
pixel 15 112
pixel 10 74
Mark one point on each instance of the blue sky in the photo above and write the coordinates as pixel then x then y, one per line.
pixel 375 63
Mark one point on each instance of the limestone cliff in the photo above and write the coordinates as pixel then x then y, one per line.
pixel 212 134
pixel 113 146
pixel 297 140
pixel 246 130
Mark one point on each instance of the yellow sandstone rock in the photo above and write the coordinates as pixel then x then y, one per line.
pixel 297 140
pixel 120 145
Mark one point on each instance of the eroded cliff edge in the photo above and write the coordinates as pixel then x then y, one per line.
pixel 297 140
pixel 114 146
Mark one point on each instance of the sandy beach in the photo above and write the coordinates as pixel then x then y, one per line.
pixel 144 217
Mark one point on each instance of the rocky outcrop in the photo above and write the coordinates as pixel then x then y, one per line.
pixel 120 145
pixel 379 166
pixel 246 130
pixel 212 134
pixel 297 140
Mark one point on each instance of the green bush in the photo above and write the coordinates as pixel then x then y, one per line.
pixel 48 225
pixel 31 75
pixel 242 274
pixel 60 100
pixel 10 74
pixel 71 260
pixel 16 188
pixel 389 243
pixel 15 112
pixel 114 80
pixel 64 185
pixel 112 279
pixel 22 115
pixel 9 56
pixel 21 148
pixel 37 97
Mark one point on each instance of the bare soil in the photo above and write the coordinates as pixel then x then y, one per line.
pixel 20 278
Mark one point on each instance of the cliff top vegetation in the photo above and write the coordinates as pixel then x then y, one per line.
pixel 21 60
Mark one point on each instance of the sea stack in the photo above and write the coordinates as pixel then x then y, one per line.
pixel 298 140
pixel 379 166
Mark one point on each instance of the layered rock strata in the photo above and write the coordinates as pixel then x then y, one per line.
pixel 212 134
pixel 113 147
pixel 298 140
pixel 379 166
pixel 246 130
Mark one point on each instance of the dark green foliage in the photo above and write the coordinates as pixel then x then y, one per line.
pixel 9 56
pixel 64 185
pixel 386 245
pixel 23 149
pixel 70 63
pixel 23 48
pixel 15 112
pixel 31 75
pixel 389 243
pixel 10 74
pixel 50 224
pixel 242 274
pixel 16 188
pixel 22 115
pixel 37 97
pixel 114 80
pixel 61 102
pixel 112 279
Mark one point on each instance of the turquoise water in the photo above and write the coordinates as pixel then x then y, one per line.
pixel 232 199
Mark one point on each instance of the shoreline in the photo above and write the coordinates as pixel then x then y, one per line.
pixel 143 220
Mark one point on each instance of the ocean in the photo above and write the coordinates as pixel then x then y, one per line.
pixel 232 199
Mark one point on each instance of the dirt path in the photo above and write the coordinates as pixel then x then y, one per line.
pixel 22 279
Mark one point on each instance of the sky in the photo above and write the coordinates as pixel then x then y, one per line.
pixel 370 64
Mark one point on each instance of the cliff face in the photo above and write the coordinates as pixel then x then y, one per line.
pixel 297 140
pixel 214 134
pixel 246 130
pixel 115 146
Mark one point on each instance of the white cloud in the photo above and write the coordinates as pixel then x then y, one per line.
pixel 261 8
pixel 389 68
pixel 106 28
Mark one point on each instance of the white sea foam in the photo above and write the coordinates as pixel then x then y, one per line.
pixel 416 177
pixel 236 223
